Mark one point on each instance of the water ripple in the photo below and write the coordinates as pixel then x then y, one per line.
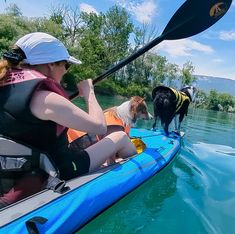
pixel 206 183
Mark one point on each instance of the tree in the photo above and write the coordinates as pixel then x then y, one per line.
pixel 141 70
pixel 70 20
pixel 159 70
pixel 13 10
pixel 11 27
pixel 201 99
pixel 42 24
pixel 213 100
pixel 226 101
pixel 116 31
pixel 186 77
pixel 92 45
pixel 172 74
pixel 99 41
pixel 57 14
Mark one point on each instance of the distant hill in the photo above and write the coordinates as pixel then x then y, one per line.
pixel 206 83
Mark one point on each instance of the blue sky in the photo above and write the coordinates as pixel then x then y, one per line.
pixel 212 52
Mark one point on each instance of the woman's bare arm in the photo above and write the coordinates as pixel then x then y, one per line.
pixel 48 105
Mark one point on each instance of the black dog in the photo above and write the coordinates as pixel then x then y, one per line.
pixel 169 103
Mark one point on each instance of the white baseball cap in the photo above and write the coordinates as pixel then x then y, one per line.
pixel 41 48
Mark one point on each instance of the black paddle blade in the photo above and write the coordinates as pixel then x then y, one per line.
pixel 194 16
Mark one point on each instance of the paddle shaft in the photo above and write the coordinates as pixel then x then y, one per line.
pixel 124 62
pixel 129 59
pixel 191 18
pixel 139 52
pixel 133 56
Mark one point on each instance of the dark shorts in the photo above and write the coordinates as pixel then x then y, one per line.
pixel 71 162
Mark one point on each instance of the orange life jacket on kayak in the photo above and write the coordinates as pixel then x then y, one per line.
pixel 111 119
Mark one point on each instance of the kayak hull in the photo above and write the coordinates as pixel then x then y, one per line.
pixel 91 194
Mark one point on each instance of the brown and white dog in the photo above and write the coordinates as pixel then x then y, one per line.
pixel 169 104
pixel 124 116
pixel 118 118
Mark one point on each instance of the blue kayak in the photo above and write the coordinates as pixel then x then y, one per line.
pixel 89 195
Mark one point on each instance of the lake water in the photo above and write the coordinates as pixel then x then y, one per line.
pixel 194 194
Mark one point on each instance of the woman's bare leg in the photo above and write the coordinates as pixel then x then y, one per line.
pixel 116 142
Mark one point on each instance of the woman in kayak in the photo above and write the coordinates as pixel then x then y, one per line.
pixel 35 110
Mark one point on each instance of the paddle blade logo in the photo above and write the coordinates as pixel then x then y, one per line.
pixel 218 10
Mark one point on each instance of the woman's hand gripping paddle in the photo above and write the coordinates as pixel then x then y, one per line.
pixel 193 17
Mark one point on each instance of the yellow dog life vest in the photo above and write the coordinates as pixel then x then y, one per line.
pixel 180 98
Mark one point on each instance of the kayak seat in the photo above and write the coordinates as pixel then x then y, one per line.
pixel 17 159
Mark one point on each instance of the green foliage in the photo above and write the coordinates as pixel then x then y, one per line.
pixel 135 89
pixel 47 26
pixel 92 48
pixel 10 29
pixel 172 74
pixel 159 69
pixel 57 15
pixel 110 87
pixel 100 41
pixel 186 74
pixel 201 99
pixel 226 101
pixel 215 101
pixel 107 87
pixel 13 10
pixel 117 28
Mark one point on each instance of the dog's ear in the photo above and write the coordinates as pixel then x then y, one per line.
pixel 134 104
pixel 144 98
pixel 141 100
pixel 133 108
pixel 155 90
pixel 137 99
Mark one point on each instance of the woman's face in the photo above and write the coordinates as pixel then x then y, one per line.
pixel 58 69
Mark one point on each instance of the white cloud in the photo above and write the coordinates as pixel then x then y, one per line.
pixel 184 47
pixel 218 60
pixel 143 11
pixel 88 8
pixel 227 35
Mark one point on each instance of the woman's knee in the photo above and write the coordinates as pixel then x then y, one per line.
pixel 123 143
pixel 118 137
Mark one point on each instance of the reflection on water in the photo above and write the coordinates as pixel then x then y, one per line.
pixel 193 194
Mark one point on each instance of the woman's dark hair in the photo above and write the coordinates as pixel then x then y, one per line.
pixel 10 59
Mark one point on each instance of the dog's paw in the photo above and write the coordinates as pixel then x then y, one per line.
pixel 176 132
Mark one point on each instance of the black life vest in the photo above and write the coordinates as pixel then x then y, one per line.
pixel 16 119
pixel 21 130
pixel 18 123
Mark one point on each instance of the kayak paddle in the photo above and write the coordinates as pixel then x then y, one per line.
pixel 193 17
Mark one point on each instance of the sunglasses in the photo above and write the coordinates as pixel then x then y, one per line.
pixel 67 65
